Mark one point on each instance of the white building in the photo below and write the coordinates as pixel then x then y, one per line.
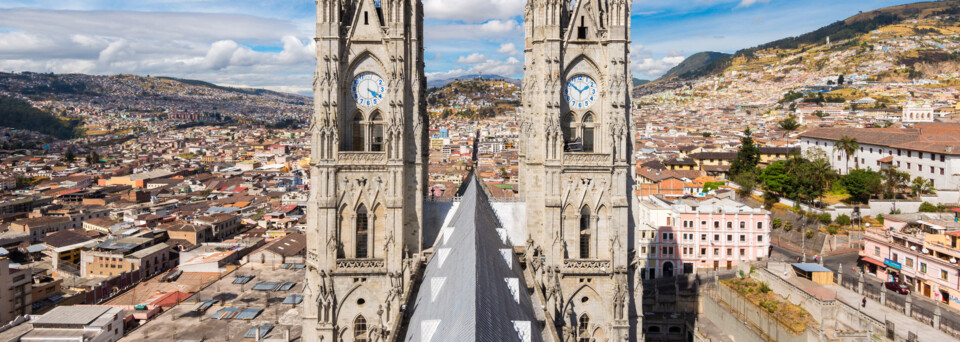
pixel 930 151
pixel 918 113
pixel 77 323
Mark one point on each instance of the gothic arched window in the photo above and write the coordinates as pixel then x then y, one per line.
pixel 585 233
pixel 357 130
pixel 569 126
pixel 588 129
pixel 583 329
pixel 363 232
pixel 376 132
pixel 360 329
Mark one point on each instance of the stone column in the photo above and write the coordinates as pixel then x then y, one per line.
pixel 936 317
pixel 840 275
pixel 860 283
pixel 908 306
pixel 883 296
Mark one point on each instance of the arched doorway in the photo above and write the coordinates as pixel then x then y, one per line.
pixel 668 269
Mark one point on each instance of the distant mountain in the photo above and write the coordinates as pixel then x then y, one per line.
pixel 696 65
pixel 444 82
pixel 639 82
pixel 713 63
pixel 17 113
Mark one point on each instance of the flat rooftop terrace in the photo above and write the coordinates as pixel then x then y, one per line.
pixel 184 322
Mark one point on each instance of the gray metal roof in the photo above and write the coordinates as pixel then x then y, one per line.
pixel 473 288
pixel 811 268
pixel 72 315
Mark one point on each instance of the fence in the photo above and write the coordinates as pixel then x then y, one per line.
pixel 897 302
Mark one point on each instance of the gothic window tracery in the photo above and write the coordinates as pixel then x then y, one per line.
pixel 585 232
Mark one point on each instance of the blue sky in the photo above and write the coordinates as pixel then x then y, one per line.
pixel 267 43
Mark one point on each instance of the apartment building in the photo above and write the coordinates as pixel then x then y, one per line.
pixel 928 150
pixel 14 292
pixel 114 257
pixel 38 227
pixel 78 323
pixel 698 233
pixel 921 250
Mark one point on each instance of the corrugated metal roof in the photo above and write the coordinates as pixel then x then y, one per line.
pixel 811 268
pixel 473 288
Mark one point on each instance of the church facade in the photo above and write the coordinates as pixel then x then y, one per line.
pixel 367 256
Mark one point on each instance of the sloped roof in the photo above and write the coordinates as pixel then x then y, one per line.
pixel 473 288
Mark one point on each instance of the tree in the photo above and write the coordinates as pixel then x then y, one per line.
pixel 820 114
pixel 844 220
pixel 894 182
pixel 840 80
pixel 747 158
pixel 69 157
pixel 848 146
pixel 789 125
pixel 926 207
pixel 862 184
pixel 922 187
pixel 822 174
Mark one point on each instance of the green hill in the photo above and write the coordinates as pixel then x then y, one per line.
pixel 17 113
pixel 712 63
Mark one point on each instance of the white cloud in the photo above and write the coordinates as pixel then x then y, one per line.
pixel 472 10
pixel 474 58
pixel 507 68
pixel 498 26
pixel 748 3
pixel 642 62
pixel 508 48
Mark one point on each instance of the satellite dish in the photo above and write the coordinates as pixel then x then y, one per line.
pixel 913 247
pixel 925 251
pixel 953 260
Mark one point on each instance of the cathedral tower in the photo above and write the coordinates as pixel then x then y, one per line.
pixel 368 168
pixel 575 163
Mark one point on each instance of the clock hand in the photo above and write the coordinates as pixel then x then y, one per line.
pixel 373 93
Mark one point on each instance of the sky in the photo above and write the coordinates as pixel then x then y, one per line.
pixel 268 43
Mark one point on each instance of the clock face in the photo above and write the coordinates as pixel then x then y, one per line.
pixel 581 92
pixel 368 89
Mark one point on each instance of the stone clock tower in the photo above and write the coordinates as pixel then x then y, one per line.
pixel 575 164
pixel 368 168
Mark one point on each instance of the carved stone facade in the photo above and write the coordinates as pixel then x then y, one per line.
pixel 368 169
pixel 575 165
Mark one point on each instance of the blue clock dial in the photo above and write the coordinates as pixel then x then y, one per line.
pixel 581 92
pixel 368 89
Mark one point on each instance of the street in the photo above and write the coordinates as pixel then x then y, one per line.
pixel 850 275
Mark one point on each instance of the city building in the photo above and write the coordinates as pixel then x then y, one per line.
pixel 77 323
pixel 15 290
pixel 928 150
pixel 681 236
pixel 38 227
pixel 114 257
pixel 921 250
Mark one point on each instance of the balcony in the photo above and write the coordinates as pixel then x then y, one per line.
pixel 586 267
pixel 361 266
pixel 587 159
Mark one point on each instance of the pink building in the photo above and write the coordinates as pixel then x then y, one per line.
pixel 683 235
pixel 920 250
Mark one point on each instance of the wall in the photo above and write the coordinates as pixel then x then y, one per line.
pixel 719 304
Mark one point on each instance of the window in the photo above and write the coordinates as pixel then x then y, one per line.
pixel 588 128
pixel 933 156
pixel 703 224
pixel 923 267
pixel 876 251
pixel 743 252
pixel 360 329
pixel 583 329
pixel 703 251
pixel 743 238
pixel 716 224
pixel 759 225
pixel 943 158
pixel 362 231
pixel 357 133
pixel 585 233
pixel 729 225
pixel 703 237
pixel 943 274
pixel 569 126
pixel 716 237
pixel 376 134
pixel 582 30
pixel 729 251
pixel 941 171
pixel 716 252
pixel 931 169
pixel 909 262
pixel 759 238
pixel 729 237
pixel 743 225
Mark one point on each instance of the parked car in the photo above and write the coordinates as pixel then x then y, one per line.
pixel 898 287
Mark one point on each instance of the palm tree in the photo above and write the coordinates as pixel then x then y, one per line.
pixel 789 125
pixel 848 146
pixel 822 173
pixel 922 186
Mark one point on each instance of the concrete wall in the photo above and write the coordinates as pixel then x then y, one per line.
pixel 720 310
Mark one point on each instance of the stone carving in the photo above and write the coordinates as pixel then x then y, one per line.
pixel 580 266
pixel 361 265
pixel 372 158
pixel 586 159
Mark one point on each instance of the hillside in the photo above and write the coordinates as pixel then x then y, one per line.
pixel 17 113
pixel 444 82
pixel 844 30
pixel 128 95
pixel 473 99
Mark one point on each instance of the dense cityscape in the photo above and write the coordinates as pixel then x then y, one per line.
pixel 803 190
